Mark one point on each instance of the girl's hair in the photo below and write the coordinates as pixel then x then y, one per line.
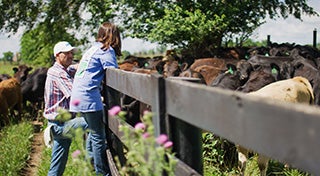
pixel 109 35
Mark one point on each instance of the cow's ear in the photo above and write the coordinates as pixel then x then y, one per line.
pixel 15 69
pixel 275 69
pixel 29 68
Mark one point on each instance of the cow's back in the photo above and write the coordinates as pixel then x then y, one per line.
pixel 295 90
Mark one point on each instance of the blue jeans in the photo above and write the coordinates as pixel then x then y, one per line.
pixel 61 143
pixel 98 141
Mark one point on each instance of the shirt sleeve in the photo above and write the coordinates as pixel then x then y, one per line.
pixel 109 59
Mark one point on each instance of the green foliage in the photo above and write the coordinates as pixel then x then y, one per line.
pixel 195 25
pixel 219 155
pixel 37 45
pixel 7 56
pixel 15 146
pixel 202 24
pixel 48 22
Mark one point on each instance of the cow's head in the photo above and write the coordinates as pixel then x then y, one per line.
pixel 21 72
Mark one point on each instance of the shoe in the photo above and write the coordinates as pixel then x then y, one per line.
pixel 48 137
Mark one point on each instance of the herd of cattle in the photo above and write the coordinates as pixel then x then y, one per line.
pixel 249 70
pixel 20 88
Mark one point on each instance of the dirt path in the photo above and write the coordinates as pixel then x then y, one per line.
pixel 36 151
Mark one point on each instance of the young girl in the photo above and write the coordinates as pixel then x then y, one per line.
pixel 86 89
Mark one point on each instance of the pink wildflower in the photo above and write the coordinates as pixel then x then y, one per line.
pixel 146 112
pixel 145 135
pixel 76 153
pixel 75 102
pixel 168 144
pixel 162 139
pixel 114 110
pixel 139 126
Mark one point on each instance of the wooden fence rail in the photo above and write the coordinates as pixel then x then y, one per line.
pixel 285 132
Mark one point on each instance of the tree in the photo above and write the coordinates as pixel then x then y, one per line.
pixel 48 22
pixel 36 48
pixel 202 25
pixel 7 56
pixel 194 25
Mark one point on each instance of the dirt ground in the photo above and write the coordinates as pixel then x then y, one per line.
pixel 36 151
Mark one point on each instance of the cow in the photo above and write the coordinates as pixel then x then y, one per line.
pixel 209 73
pixel 261 75
pixel 128 66
pixel 21 72
pixel 10 97
pixel 234 76
pixel 294 90
pixel 230 79
pixel 214 62
pixel 33 88
pixel 210 68
pixel 173 68
pixel 139 60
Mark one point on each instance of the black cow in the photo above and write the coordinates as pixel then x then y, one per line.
pixel 234 77
pixel 261 76
pixel 33 88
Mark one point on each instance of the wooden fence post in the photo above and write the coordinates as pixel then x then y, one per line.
pixel 268 40
pixel 187 143
pixel 315 38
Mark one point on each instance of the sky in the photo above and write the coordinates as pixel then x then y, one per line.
pixel 290 30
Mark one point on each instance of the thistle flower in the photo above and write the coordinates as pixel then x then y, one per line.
pixel 168 144
pixel 162 139
pixel 114 110
pixel 145 135
pixel 139 126
pixel 76 153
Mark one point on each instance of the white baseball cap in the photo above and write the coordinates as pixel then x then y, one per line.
pixel 62 47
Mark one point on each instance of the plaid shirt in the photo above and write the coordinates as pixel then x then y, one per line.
pixel 57 90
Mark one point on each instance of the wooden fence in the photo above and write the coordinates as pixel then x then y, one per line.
pixel 285 132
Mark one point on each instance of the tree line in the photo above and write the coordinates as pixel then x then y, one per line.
pixel 187 25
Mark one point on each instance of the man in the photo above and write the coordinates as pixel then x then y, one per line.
pixel 57 96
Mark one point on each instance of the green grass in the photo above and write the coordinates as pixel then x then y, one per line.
pixel 216 156
pixel 15 146
pixel 6 68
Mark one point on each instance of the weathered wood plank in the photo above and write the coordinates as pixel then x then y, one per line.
pixel 112 164
pixel 136 85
